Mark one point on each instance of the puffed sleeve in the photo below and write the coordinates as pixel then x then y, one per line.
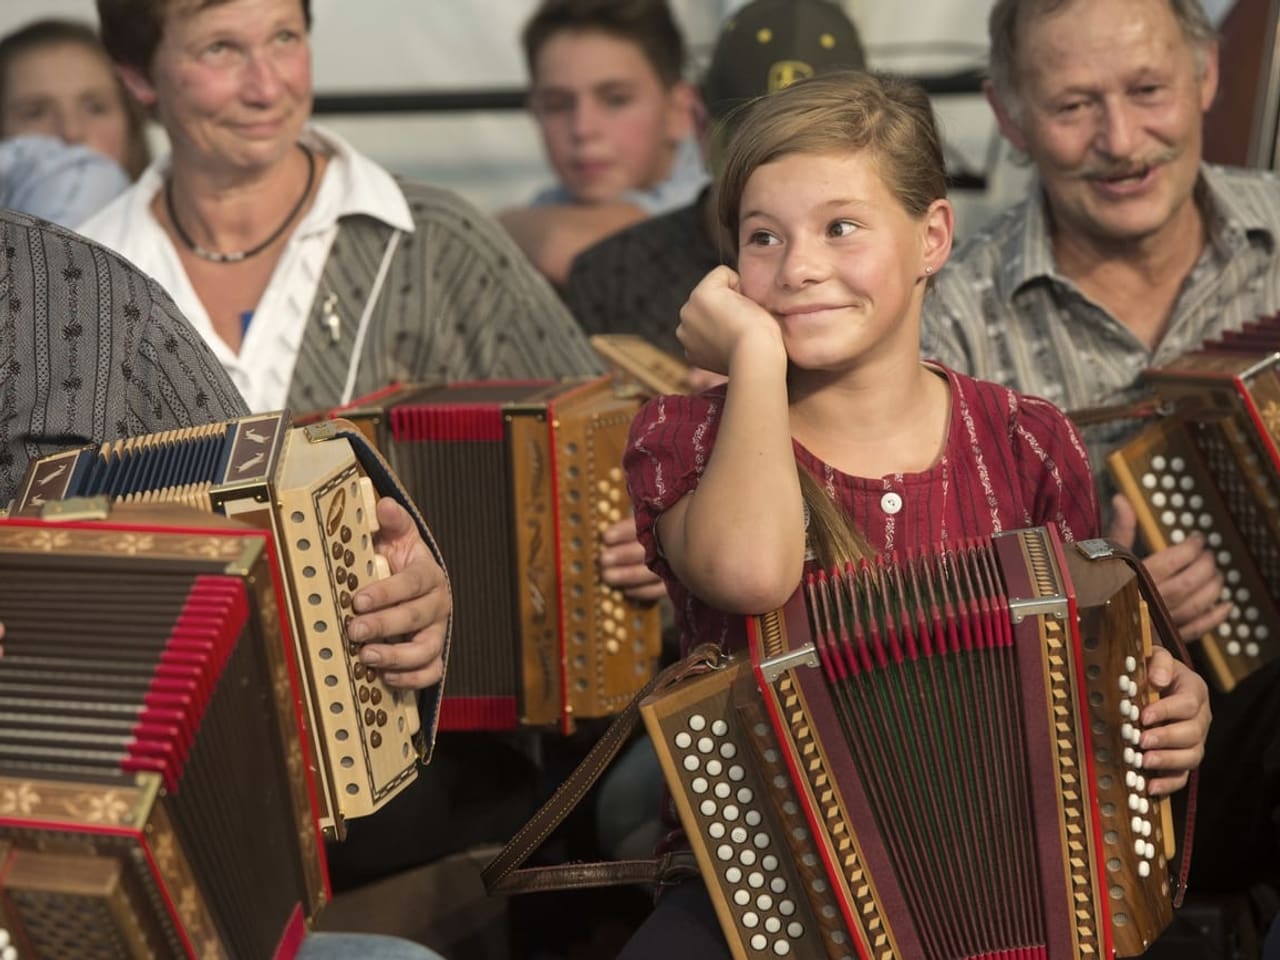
pixel 1057 484
pixel 668 448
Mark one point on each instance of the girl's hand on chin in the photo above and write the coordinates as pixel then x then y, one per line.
pixel 718 320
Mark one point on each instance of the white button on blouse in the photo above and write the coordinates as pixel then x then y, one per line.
pixel 891 503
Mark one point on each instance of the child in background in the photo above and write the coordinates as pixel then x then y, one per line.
pixel 831 438
pixel 617 123
pixel 72 139
pixel 56 80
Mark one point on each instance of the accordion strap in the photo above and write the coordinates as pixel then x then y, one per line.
pixel 1168 631
pixel 505 873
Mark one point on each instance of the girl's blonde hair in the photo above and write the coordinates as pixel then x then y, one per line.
pixel 848 111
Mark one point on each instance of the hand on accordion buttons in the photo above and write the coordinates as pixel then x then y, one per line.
pixel 622 563
pixel 1175 726
pixel 409 610
pixel 1186 575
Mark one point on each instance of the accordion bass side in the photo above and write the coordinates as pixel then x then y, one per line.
pixel 931 758
pixel 155 792
pixel 1210 464
pixel 309 489
pixel 521 479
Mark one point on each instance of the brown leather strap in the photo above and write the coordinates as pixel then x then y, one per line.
pixel 1168 631
pixel 503 874
pixel 665 870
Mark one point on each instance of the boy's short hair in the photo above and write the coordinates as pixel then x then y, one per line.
pixel 649 24
pixel 768 44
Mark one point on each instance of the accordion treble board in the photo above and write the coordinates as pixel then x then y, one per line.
pixel 155 793
pixel 521 479
pixel 930 759
pixel 1210 465
pixel 312 494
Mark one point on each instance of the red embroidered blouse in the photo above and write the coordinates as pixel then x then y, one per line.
pixel 1009 462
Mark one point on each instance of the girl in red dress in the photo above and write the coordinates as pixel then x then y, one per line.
pixel 831 437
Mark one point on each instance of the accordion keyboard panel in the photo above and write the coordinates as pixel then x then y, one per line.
pixel 1206 477
pixel 612 642
pixel 771 903
pixel 327 532
pixel 1136 842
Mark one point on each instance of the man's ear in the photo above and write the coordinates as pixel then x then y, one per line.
pixel 136 82
pixel 939 231
pixel 682 103
pixel 1209 76
pixel 1010 127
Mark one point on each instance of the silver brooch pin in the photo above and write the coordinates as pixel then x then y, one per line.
pixel 330 318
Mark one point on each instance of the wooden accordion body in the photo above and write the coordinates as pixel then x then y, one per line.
pixel 155 791
pixel 930 758
pixel 635 359
pixel 1210 464
pixel 307 488
pixel 521 479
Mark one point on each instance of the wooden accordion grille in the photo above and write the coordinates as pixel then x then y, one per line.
pixel 153 800
pixel 961 751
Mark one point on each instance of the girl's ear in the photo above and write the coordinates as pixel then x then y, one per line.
pixel 137 84
pixel 938 224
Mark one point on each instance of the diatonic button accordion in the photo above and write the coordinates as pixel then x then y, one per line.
pixel 931 756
